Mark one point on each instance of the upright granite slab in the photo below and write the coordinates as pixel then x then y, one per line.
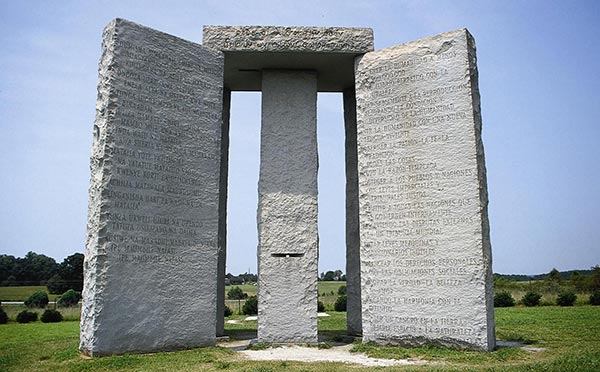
pixel 152 245
pixel 287 208
pixel 425 249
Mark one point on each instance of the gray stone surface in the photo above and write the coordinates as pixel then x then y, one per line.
pixel 425 249
pixel 287 210
pixel 353 306
pixel 288 39
pixel 330 51
pixel 152 245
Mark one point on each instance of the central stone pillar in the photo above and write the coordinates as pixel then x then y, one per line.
pixel 287 208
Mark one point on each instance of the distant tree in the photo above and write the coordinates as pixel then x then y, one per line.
pixel 71 270
pixel 227 311
pixel 320 306
pixel 57 284
pixel 69 298
pixel 596 276
pixel 7 265
pixel 340 303
pixel 3 316
pixel 236 293
pixel 249 278
pixel 37 299
pixel 531 299
pixel 595 298
pixel 566 298
pixel 27 316
pixel 251 306
pixel 33 269
pixel 51 316
pixel 554 276
pixel 331 276
pixel 504 299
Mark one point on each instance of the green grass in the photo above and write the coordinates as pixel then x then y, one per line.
pixel 22 293
pixel 570 337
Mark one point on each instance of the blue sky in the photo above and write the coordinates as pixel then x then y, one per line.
pixel 539 64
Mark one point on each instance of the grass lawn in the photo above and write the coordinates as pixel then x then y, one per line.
pixel 22 293
pixel 570 337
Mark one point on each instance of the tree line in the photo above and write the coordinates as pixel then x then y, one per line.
pixel 38 269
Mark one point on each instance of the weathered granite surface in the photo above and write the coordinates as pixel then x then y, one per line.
pixel 152 245
pixel 330 51
pixel 288 39
pixel 425 248
pixel 287 209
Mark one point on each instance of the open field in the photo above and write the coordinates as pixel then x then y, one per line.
pixel 22 293
pixel 325 294
pixel 568 339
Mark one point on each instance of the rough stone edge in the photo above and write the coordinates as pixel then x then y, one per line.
pixel 483 193
pixel 212 38
pixel 94 261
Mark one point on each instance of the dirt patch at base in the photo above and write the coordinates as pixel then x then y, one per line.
pixel 340 354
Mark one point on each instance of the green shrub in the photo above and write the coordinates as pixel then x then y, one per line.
pixel 37 299
pixel 69 298
pixel 3 316
pixel 227 311
pixel 566 298
pixel 531 299
pixel 340 303
pixel 595 298
pixel 27 316
pixel 342 290
pixel 51 316
pixel 250 306
pixel 320 306
pixel 504 299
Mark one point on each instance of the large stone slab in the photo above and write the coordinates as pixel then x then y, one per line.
pixel 250 49
pixel 425 249
pixel 287 208
pixel 152 246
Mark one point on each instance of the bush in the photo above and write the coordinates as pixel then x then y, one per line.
pixel 51 316
pixel 595 298
pixel 69 298
pixel 342 290
pixel 250 306
pixel 566 298
pixel 340 303
pixel 37 299
pixel 504 299
pixel 531 299
pixel 320 306
pixel 236 293
pixel 3 316
pixel 228 311
pixel 26 316
pixel 56 284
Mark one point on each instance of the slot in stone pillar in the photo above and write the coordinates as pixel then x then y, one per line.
pixel 353 308
pixel 223 213
pixel 287 208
